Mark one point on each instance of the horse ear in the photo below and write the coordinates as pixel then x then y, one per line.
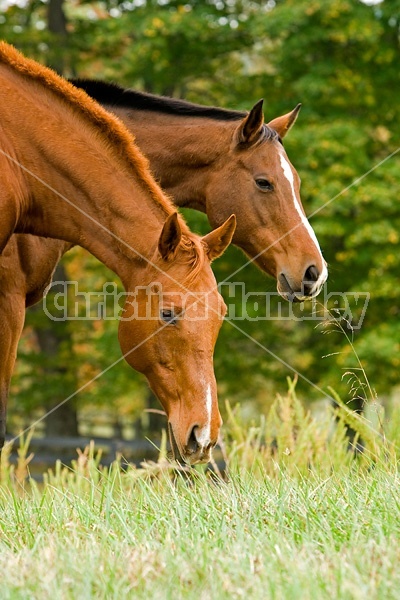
pixel 170 237
pixel 219 239
pixel 250 128
pixel 282 124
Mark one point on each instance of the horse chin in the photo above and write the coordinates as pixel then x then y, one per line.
pixel 293 297
pixel 297 297
pixel 198 460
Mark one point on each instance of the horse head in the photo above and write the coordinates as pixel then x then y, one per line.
pixel 263 189
pixel 168 332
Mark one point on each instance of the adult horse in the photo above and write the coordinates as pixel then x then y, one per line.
pixel 222 162
pixel 54 138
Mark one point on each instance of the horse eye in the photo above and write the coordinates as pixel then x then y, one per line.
pixel 264 185
pixel 168 316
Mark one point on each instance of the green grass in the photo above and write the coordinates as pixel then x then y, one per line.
pixel 299 518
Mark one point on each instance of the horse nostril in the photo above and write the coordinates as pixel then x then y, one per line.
pixel 311 274
pixel 192 444
pixel 310 277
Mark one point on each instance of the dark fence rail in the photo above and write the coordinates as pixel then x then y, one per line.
pixel 48 450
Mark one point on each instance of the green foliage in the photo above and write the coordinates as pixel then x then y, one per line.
pixel 340 59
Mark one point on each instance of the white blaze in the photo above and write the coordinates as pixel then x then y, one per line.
pixel 287 171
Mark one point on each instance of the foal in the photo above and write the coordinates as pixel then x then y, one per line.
pixel 53 137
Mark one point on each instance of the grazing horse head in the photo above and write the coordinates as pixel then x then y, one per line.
pixel 259 179
pixel 168 332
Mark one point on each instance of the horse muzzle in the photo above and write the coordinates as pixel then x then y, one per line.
pixel 193 452
pixel 309 288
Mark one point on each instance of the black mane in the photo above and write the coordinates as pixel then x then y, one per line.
pixel 112 94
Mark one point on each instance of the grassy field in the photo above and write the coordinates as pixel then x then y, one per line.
pixel 298 516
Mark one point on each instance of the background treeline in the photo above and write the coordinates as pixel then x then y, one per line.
pixel 340 58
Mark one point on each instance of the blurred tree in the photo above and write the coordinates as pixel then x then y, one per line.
pixel 57 26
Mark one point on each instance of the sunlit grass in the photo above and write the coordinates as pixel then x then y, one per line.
pixel 298 516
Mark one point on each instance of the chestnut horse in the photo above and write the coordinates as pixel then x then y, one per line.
pixel 221 162
pixel 54 138
pixel 197 152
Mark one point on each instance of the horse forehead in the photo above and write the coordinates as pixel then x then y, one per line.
pixel 183 284
pixel 199 292
pixel 264 157
pixel 208 306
